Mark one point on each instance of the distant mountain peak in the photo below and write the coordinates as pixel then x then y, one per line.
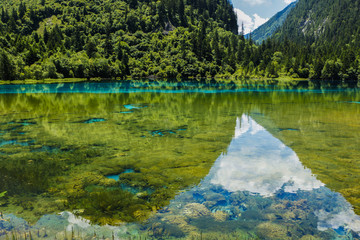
pixel 267 29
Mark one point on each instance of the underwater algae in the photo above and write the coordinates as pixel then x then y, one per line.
pixel 84 150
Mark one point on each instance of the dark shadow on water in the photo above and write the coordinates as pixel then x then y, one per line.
pixel 16 142
pixel 94 120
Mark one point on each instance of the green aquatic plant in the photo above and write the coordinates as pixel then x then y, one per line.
pixel 70 160
pixel 3 194
pixel 3 199
pixel 27 174
pixel 112 206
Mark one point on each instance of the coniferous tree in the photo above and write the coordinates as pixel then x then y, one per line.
pixel 4 15
pixel 22 10
pixel 46 35
pixel 182 13
pixel 7 68
pixel 90 48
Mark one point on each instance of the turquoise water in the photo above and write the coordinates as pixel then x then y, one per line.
pixel 134 106
pixel 195 160
pixel 126 112
pixel 116 177
pixel 94 120
pixel 177 87
pixel 14 142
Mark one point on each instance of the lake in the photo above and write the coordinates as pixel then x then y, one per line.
pixel 180 160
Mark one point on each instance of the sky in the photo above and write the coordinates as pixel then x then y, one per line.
pixel 254 13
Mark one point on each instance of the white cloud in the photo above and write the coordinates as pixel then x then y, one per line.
pixel 245 19
pixel 250 22
pixel 335 219
pixel 289 1
pixel 258 21
pixel 255 2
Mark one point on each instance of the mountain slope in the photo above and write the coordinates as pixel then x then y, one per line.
pixel 117 38
pixel 335 22
pixel 267 29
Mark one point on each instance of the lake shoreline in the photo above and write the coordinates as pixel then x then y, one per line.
pixel 231 79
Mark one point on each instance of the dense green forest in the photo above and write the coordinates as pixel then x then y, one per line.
pixel 114 38
pixel 327 34
pixel 173 39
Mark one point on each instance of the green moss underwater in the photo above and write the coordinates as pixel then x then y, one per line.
pixel 55 152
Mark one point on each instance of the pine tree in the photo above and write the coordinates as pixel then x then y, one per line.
pixel 22 10
pixel 4 15
pixel 7 68
pixel 182 13
pixel 14 14
pixel 46 35
pixel 90 48
pixel 108 46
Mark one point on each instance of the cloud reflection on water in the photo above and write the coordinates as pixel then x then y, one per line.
pixel 258 162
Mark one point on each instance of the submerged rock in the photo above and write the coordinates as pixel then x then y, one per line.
pixel 309 237
pixel 220 216
pixel 215 197
pixel 160 229
pixel 269 230
pixel 181 222
pixel 196 210
pixel 210 204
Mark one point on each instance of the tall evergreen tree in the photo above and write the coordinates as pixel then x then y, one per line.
pixel 7 68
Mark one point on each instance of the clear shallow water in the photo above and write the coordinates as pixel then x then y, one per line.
pixel 189 160
pixel 149 86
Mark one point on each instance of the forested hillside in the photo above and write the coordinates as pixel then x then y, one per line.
pixel 323 22
pixel 118 38
pixel 320 39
